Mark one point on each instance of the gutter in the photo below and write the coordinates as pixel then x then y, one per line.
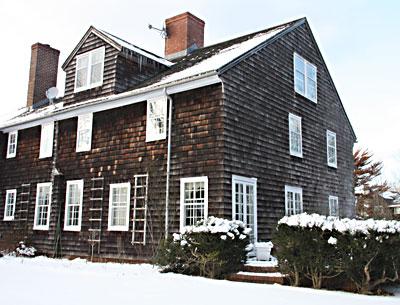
pixel 119 100
pixel 169 99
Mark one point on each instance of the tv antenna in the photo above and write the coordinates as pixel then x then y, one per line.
pixel 163 32
pixel 51 94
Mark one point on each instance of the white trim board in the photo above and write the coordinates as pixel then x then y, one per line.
pixel 115 101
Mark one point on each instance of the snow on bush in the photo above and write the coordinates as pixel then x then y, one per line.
pixel 343 225
pixel 318 247
pixel 212 248
pixel 23 250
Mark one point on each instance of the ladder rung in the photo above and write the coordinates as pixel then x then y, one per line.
pixel 95 209
pixel 25 193
pixel 22 219
pixel 97 188
pixel 94 240
pixel 22 211
pixel 94 219
pixel 138 242
pixel 137 231
pixel 25 201
pixel 139 209
pixel 138 219
pixel 97 178
pixel 94 230
pixel 26 184
pixel 94 199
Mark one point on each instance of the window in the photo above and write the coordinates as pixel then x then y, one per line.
pixel 293 200
pixel 244 202
pixel 118 213
pixel 295 140
pixel 333 206
pixel 12 144
pixel 9 209
pixel 396 211
pixel 42 208
pixel 331 148
pixel 156 119
pixel 46 140
pixel 73 205
pixel 194 200
pixel 305 78
pixel 89 69
pixel 84 132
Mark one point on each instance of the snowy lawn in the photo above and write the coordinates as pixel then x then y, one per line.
pixel 42 281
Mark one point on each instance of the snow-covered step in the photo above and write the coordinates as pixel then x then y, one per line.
pixel 260 268
pixel 258 277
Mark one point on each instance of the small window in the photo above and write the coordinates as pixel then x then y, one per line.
pixel 305 78
pixel 194 200
pixel 396 211
pixel 295 138
pixel 156 119
pixel 42 207
pixel 12 144
pixel 293 200
pixel 9 209
pixel 46 140
pixel 333 206
pixel 118 213
pixel 331 148
pixel 89 69
pixel 73 205
pixel 84 132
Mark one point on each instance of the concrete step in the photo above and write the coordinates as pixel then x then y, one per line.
pixel 259 269
pixel 260 278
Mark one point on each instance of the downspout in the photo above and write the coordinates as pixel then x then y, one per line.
pixel 169 99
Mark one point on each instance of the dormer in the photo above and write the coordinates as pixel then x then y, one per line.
pixel 103 64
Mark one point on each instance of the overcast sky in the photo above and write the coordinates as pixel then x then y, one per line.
pixel 360 41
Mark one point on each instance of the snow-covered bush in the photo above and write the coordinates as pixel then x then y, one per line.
pixel 213 248
pixel 319 247
pixel 23 250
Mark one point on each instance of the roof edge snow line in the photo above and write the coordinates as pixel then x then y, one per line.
pixel 117 43
pixel 110 102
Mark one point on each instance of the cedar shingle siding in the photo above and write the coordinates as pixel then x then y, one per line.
pixel 239 127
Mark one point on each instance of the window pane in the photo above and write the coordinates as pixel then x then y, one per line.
pixel 81 78
pixel 311 89
pixel 96 73
pixel 299 64
pixel 311 72
pixel 82 62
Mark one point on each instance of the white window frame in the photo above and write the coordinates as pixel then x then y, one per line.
pixel 9 144
pixel 46 226
pixel 88 117
pixel 203 179
pixel 126 226
pixel 328 134
pixel 8 193
pixel 89 70
pixel 396 210
pixel 305 77
pixel 46 140
pixel 294 190
pixel 152 134
pixel 292 152
pixel 245 181
pixel 77 227
pixel 336 199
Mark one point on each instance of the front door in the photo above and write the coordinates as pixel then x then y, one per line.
pixel 244 202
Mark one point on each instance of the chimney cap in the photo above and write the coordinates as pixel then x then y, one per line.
pixel 184 15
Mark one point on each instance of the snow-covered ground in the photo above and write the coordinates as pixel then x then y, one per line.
pixel 42 281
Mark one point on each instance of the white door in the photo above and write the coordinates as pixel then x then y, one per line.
pixel 244 202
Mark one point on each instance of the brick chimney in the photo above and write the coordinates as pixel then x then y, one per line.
pixel 42 72
pixel 185 34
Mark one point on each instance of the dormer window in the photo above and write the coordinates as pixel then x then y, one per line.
pixel 89 69
pixel 305 78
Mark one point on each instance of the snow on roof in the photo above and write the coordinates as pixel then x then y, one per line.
pixel 136 49
pixel 188 71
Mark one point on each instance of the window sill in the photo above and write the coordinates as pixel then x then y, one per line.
pixel 118 229
pixel 82 89
pixel 332 166
pixel 8 219
pixel 306 97
pixel 41 228
pixel 72 229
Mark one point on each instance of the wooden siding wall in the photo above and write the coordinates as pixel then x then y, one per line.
pixel 119 151
pixel 259 94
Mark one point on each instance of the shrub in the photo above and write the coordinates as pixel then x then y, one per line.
pixel 23 250
pixel 319 247
pixel 212 248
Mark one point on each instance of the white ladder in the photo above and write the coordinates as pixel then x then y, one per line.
pixel 139 220
pixel 24 202
pixel 95 213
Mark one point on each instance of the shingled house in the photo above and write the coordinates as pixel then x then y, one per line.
pixel 140 146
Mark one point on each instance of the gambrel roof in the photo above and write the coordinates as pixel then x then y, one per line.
pixel 200 68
